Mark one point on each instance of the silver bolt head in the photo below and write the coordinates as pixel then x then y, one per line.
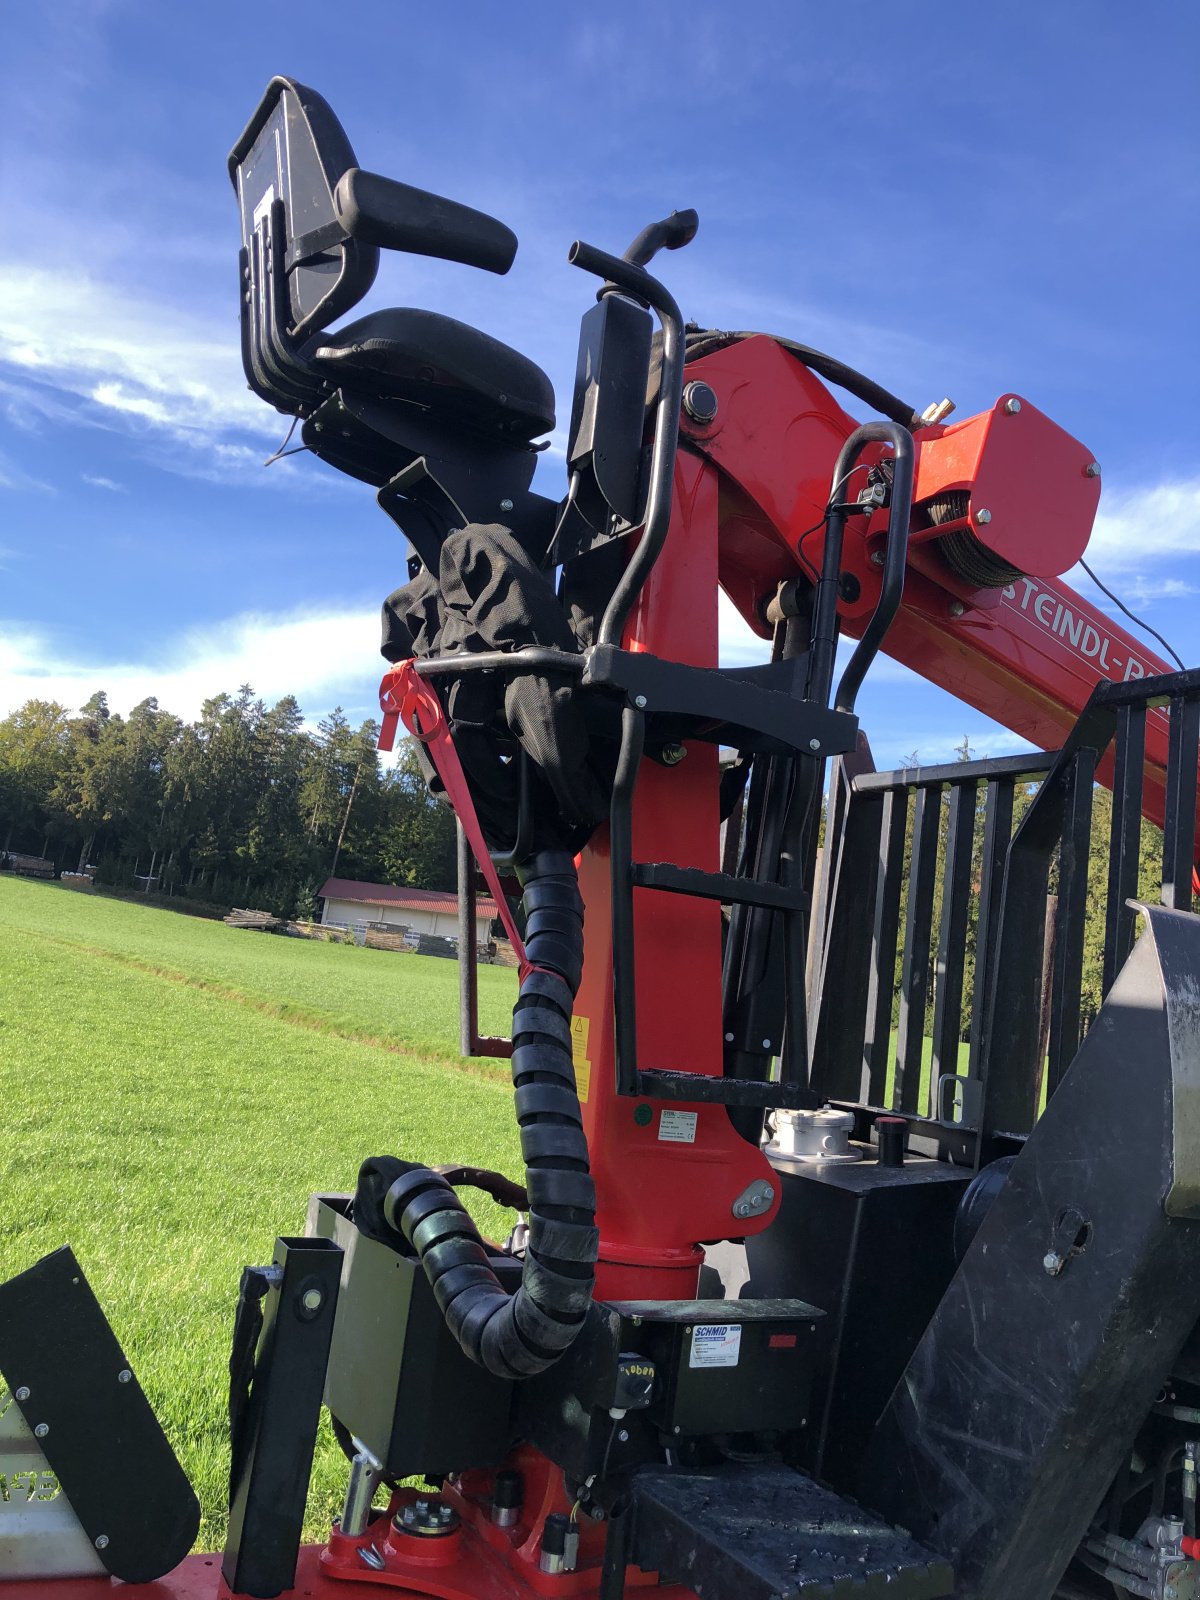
pixel 983 516
pixel 640 701
pixel 877 558
pixel 766 1044
pixel 506 504
pixel 623 1435
pixel 673 754
pixel 768 1193
pixel 957 608
pixel 22 1393
pixel 311 1299
pixel 1052 1262
pixel 124 1376
pixel 1012 406
pixel 42 1429
pixel 814 745
pixel 1092 470
pixel 101 1541
pixel 728 1040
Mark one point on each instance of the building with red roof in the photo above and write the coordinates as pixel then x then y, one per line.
pixel 390 905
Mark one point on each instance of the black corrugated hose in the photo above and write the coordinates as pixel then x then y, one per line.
pixel 518 1335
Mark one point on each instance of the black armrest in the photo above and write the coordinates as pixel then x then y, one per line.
pixel 395 216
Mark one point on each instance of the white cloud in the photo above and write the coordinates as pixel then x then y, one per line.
pixel 126 355
pixel 322 657
pixel 15 478
pixel 104 483
pixel 1135 527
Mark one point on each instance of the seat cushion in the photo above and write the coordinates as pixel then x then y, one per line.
pixel 420 355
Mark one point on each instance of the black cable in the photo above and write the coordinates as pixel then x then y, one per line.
pixel 516 1335
pixel 703 341
pixel 1145 626
pixel 860 466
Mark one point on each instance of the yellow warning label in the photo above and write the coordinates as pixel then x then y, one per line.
pixel 579 1055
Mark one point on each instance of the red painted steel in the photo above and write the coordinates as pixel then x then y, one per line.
pixel 1028 655
pixel 750 495
pixel 666 1176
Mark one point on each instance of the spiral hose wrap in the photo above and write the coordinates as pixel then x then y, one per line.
pixel 518 1335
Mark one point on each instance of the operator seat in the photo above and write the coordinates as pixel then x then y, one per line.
pixel 448 365
pixel 312 226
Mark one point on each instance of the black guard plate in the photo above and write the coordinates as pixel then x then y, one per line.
pixel 103 1441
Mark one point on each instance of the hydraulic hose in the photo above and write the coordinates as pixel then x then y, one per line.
pixel 518 1335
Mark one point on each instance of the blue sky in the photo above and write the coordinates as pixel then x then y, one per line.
pixel 960 200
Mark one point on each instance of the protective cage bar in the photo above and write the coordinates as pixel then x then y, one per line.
pixel 934 876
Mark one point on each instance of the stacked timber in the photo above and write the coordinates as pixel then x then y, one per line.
pixel 27 866
pixel 261 921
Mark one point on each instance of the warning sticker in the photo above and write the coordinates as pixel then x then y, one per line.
pixel 677 1127
pixel 579 1055
pixel 716 1344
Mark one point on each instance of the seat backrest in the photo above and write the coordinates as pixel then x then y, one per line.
pixel 294 149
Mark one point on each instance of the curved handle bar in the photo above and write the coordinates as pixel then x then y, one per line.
pixel 824 637
pixel 635 281
pixel 672 233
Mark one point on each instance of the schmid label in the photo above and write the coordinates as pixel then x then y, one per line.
pixel 677 1127
pixel 716 1344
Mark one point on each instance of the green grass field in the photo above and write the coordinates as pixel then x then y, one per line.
pixel 171 1092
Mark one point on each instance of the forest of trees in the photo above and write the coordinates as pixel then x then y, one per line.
pixel 244 806
pixel 247 806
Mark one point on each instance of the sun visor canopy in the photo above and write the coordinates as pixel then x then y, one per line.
pixel 293 150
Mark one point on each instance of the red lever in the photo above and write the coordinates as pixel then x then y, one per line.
pixel 405 697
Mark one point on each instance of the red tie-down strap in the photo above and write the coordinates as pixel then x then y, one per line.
pixel 405 697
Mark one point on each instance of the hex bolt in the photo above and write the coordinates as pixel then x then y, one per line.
pixel 124 1376
pixel 623 1436
pixel 42 1429
pixel 957 608
pixel 506 504
pixel 673 754
pixel 814 745
pixel 101 1541
pixel 983 516
pixel 311 1299
pixel 1092 470
pixel 766 1044
pixel 728 1040
pixel 22 1393
pixel 1052 1262
pixel 1012 406
pixel 877 558
pixel 639 701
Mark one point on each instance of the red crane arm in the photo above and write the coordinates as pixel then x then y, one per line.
pixel 1006 496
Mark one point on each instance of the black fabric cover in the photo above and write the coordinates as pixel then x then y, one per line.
pixel 489 595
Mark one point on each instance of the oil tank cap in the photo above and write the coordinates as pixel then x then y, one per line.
pixel 818 1136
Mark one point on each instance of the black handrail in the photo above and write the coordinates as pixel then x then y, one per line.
pixel 636 282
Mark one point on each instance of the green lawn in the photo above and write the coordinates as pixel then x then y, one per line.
pixel 172 1090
